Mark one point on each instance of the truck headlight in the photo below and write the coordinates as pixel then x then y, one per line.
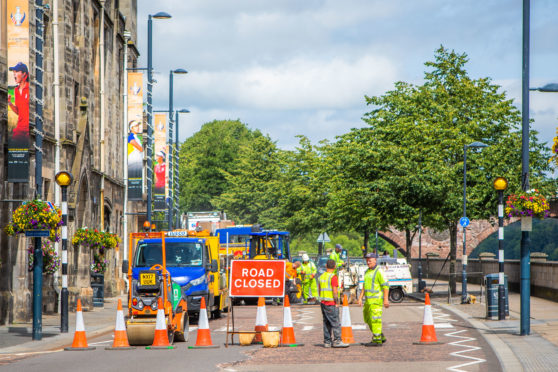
pixel 197 281
pixel 154 306
pixel 140 305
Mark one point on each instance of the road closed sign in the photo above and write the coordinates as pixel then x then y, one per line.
pixel 257 278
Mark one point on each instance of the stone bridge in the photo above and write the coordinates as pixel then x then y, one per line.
pixel 439 241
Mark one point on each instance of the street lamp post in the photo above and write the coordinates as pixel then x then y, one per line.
pixel 176 159
pixel 160 15
pixel 500 185
pixel 171 147
pixel 464 259
pixel 64 179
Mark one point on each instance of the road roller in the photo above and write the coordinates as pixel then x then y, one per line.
pixel 150 280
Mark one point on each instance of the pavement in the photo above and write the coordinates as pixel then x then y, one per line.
pixel 17 338
pixel 537 351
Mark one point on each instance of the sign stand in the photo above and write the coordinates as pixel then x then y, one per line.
pixel 266 271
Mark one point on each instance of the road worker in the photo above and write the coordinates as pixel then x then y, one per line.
pixel 307 272
pixel 376 293
pixel 329 287
pixel 335 256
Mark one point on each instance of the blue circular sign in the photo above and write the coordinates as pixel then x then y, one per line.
pixel 464 221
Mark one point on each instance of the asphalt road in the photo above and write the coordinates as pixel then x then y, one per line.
pixel 462 348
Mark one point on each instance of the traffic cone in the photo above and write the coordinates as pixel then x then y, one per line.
pixel 203 339
pixel 261 320
pixel 346 327
pixel 120 336
pixel 428 332
pixel 161 338
pixel 80 341
pixel 287 334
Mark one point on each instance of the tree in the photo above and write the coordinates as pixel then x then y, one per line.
pixel 419 133
pixel 206 158
pixel 249 180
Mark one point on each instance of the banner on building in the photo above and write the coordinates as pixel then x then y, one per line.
pixel 135 136
pixel 160 163
pixel 18 90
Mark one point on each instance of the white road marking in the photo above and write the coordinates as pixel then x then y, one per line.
pixel 307 328
pixel 192 328
pixel 443 325
pixel 439 315
pixel 100 342
pixel 467 349
pixel 360 327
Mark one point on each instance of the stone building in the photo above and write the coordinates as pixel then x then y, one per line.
pixel 81 149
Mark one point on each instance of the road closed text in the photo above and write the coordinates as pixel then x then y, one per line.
pixel 251 278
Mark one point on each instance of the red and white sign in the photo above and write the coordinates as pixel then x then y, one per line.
pixel 257 278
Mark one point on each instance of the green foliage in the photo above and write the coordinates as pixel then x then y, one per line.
pixel 249 181
pixel 544 238
pixel 205 160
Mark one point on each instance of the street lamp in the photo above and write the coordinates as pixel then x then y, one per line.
pixel 500 185
pixel 64 179
pixel 171 147
pixel 176 159
pixel 160 15
pixel 525 259
pixel 464 221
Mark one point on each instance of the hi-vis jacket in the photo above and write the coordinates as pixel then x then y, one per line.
pixel 374 284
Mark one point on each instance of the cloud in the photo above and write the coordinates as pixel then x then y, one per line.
pixel 294 85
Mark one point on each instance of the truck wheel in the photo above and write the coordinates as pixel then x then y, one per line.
pixel 216 314
pixel 396 295
pixel 182 335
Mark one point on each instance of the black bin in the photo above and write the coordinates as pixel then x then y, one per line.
pixel 491 282
pixel 98 286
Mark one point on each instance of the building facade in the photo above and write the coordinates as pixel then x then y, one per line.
pixel 91 41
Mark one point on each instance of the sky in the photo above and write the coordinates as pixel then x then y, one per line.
pixel 303 67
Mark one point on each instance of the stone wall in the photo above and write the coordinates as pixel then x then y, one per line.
pixel 79 66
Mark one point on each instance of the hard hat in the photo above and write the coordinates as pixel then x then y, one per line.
pixel 371 255
pixel 305 257
pixel 338 246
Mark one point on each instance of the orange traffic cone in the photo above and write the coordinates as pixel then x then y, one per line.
pixel 203 339
pixel 346 327
pixel 287 334
pixel 428 332
pixel 161 338
pixel 261 320
pixel 120 336
pixel 80 341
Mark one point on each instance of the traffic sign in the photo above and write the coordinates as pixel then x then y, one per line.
pixel 323 238
pixel 257 278
pixel 464 221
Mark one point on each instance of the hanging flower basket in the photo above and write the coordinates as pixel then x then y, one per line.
pixel 95 239
pixel 527 204
pixel 36 215
pixel 99 265
pixel 98 242
pixel 51 261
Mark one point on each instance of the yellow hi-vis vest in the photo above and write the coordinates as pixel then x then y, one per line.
pixel 326 290
pixel 374 284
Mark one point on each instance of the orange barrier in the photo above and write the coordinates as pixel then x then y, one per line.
pixel 203 339
pixel 161 338
pixel 346 327
pixel 428 336
pixel 261 320
pixel 120 336
pixel 80 340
